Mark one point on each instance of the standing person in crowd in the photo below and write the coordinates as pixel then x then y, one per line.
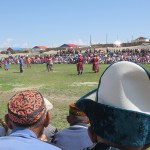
pixel 118 109
pixel 48 63
pixel 76 136
pixel 95 65
pixel 6 64
pixel 27 117
pixel 21 63
pixel 51 62
pixel 0 64
pixel 79 63
pixel 50 130
pixel 28 61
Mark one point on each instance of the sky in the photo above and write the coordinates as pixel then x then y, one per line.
pixel 29 23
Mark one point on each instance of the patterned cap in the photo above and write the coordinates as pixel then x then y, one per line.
pixel 26 107
pixel 75 111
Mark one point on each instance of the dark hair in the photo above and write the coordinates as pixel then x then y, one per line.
pixel 78 119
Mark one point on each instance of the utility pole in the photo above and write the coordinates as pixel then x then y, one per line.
pixel 132 37
pixel 106 38
pixel 90 43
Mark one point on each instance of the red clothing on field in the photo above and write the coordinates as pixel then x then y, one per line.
pixel 28 60
pixel 95 64
pixel 80 63
pixel 49 60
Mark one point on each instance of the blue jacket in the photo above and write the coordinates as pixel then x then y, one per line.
pixel 24 139
pixel 73 138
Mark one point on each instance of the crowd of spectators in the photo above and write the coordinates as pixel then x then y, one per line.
pixel 105 57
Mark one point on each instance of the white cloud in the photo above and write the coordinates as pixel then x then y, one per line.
pixel 54 45
pixel 8 42
pixel 94 42
pixel 117 43
pixel 25 45
pixel 77 42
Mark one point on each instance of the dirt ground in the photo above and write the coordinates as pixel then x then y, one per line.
pixel 6 95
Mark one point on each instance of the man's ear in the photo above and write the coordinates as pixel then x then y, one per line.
pixel 86 120
pixel 47 119
pixel 92 135
pixel 68 119
pixel 8 122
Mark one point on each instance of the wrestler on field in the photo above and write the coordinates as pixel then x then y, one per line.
pixel 21 63
pixel 95 62
pixel 79 63
pixel 49 63
pixel 28 61
pixel 6 64
pixel 0 64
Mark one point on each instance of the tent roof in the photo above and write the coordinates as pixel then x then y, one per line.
pixel 68 45
pixel 40 47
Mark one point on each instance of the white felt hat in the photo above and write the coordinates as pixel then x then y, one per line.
pixel 119 108
pixel 124 85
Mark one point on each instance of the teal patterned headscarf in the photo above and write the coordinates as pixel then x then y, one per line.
pixel 119 109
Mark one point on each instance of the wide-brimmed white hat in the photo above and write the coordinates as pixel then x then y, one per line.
pixel 48 104
pixel 119 109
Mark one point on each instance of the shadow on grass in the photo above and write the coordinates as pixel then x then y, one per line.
pixel 16 72
pixel 76 74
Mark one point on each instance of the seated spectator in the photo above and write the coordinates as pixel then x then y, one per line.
pixel 2 131
pixel 3 128
pixel 50 130
pixel 118 109
pixel 27 117
pixel 76 136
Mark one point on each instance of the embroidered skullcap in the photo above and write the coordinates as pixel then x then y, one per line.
pixel 118 109
pixel 26 107
pixel 75 111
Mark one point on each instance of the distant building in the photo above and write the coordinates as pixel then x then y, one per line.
pixel 39 48
pixel 68 46
pixel 140 40
pixel 117 43
pixel 14 50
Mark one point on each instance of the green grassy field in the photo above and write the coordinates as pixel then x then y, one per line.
pixel 61 87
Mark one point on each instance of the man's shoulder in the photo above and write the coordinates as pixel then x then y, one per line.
pixel 63 131
pixel 50 146
pixel 66 131
pixel 12 142
pixel 50 128
pixel 71 130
